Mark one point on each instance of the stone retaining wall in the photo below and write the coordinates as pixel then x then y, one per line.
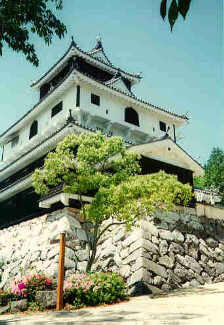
pixel 166 251
pixel 33 245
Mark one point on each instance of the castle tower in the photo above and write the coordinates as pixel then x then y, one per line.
pixel 85 92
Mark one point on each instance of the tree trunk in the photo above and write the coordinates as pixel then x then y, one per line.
pixel 94 248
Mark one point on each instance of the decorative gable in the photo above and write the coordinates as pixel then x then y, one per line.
pixel 168 151
pixel 118 84
pixel 100 55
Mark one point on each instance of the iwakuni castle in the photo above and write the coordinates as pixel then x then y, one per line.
pixel 84 92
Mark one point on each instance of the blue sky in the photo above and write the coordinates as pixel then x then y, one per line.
pixel 182 70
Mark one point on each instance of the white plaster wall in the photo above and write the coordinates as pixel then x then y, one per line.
pixel 115 106
pixel 149 121
pixel 46 124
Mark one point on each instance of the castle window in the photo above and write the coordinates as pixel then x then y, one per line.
pixel 33 129
pixel 56 109
pixel 95 99
pixel 131 116
pixel 78 96
pixel 162 126
pixel 15 141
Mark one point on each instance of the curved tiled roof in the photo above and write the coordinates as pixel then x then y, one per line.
pixel 99 48
pixel 73 44
pixel 40 101
pixel 53 66
pixel 70 120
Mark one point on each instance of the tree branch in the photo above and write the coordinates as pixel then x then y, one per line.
pixel 107 227
pixel 85 225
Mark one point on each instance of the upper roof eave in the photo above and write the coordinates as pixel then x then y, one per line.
pixel 13 128
pixel 75 50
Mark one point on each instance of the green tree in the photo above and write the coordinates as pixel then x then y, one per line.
pixel 101 166
pixel 214 169
pixel 199 182
pixel 19 18
pixel 176 8
pixel 214 173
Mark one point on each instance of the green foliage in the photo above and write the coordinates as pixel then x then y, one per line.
pixel 200 182
pixel 35 307
pixel 214 169
pixel 28 285
pixel 94 289
pixel 176 7
pixel 38 283
pixel 1 266
pixel 19 18
pixel 85 163
pixel 214 173
pixel 5 297
pixel 139 195
pixel 100 166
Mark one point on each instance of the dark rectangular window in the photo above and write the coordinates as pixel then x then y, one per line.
pixel 95 99
pixel 15 141
pixel 162 126
pixel 33 129
pixel 56 109
pixel 78 96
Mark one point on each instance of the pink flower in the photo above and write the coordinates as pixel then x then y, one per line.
pixel 67 285
pixel 96 288
pixel 21 285
pixel 48 282
pixel 39 277
pixel 28 277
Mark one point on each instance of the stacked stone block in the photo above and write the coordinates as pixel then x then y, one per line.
pixel 165 251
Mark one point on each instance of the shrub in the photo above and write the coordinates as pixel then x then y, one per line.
pixel 35 307
pixel 28 285
pixel 1 266
pixel 5 297
pixel 94 289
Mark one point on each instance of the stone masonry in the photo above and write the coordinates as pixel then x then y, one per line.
pixel 165 251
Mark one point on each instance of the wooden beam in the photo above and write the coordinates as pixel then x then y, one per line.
pixel 61 272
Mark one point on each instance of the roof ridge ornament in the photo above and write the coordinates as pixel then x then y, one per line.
pixel 73 43
pixel 70 118
pixel 139 74
pixel 99 44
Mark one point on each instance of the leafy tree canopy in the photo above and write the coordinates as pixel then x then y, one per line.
pixel 214 173
pixel 199 182
pixel 85 163
pixel 101 166
pixel 19 18
pixel 174 9
pixel 214 169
